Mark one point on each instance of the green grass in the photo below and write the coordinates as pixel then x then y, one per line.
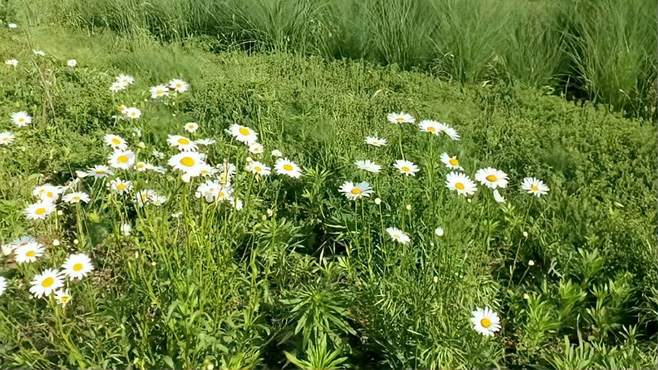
pixel 315 282
pixel 603 51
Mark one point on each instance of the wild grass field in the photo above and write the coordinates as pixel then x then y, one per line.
pixel 169 205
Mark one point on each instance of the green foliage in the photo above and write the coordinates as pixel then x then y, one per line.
pixel 300 275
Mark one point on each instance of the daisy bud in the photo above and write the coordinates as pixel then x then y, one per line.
pixel 378 201
pixel 439 231
pixel 525 234
pixel 75 241
pixel 408 207
pixel 531 263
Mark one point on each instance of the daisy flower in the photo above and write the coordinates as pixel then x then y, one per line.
pixel 117 86
pixel 179 86
pixel 39 210
pixel 98 171
pixel 451 132
pixel 205 142
pixel 28 252
pixel 121 186
pixel 188 162
pixel 21 119
pixel 460 183
pixel 122 159
pixel 6 138
pixel 400 117
pixel 46 283
pixel 433 127
pixel 3 285
pixel 132 113
pixel 191 127
pixel 181 143
pixel 398 235
pixel 491 178
pixel 406 168
pixel 116 142
pixel 285 167
pixel 375 141
pixel 11 62
pixel 450 162
pixel 368 165
pixel 243 134
pixel 439 232
pixel 47 192
pixel 63 297
pixel 534 186
pixel 354 191
pixel 256 148
pixel 159 91
pixel 258 168
pixel 207 170
pixel 276 153
pixel 76 197
pixel 77 266
pixel 125 80
pixel 147 196
pixel 214 191
pixel 485 321
pixel 72 63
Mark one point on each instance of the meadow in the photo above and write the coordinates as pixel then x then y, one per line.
pixel 171 205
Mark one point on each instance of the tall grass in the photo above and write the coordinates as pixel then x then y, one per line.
pixel 599 50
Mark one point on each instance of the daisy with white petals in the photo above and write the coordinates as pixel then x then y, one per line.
pixel 39 210
pixel 21 119
pixel 77 266
pixel 368 165
pixel 6 138
pixel 47 192
pixel 191 127
pixel 63 297
pixel 400 117
pixel 121 186
pixel 179 86
pixel 429 126
pixel 375 141
pixel 121 159
pixel 398 235
pixel 243 134
pixel 28 252
pixel 116 142
pixel 258 168
pixel 406 168
pixel 450 161
pixel 491 178
pixel 159 91
pixel 46 283
pixel 485 321
pixel 76 197
pixel 460 183
pixel 354 191
pixel 191 163
pixel 181 143
pixel 534 186
pixel 285 167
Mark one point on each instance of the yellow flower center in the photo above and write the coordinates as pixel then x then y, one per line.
pixel 356 191
pixel 405 169
pixel 64 299
pixel 459 186
pixel 116 141
pixel 183 141
pixel 47 282
pixel 399 119
pixel 288 167
pixel 258 169
pixel 491 178
pixel 21 119
pixel 534 188
pixel 31 254
pixel 121 186
pixel 123 159
pixel 244 131
pixel 431 129
pixel 77 267
pixel 187 161
pixel 453 161
pixel 486 323
pixel 50 194
pixel 40 211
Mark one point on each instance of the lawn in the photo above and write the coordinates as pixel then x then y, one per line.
pixel 498 226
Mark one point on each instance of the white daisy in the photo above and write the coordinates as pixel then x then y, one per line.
pixel 432 127
pixel 406 168
pixel 460 183
pixel 400 117
pixel 491 178
pixel 77 266
pixel 125 79
pixel 47 192
pixel 159 91
pixel 243 134
pixel 375 141
pixel 179 86
pixel 191 163
pixel 534 186
pixel 191 127
pixel 6 138
pixel 116 142
pixel 256 148
pixel 11 62
pixel 148 196
pixel 117 86
pixel 72 63
pixel 21 119
pixel 63 297
pixel 285 167
pixel 354 191
pixel 451 132
pixel 28 252
pixel 39 210
pixel 98 171
pixel 132 113
pixel 214 191
pixel 122 159
pixel 276 153
pixel 498 197
pixel 450 162
pixel 46 283
pixel 258 168
pixel 439 232
pixel 398 235
pixel 76 197
pixel 181 143
pixel 368 165
pixel 485 321
pixel 207 170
